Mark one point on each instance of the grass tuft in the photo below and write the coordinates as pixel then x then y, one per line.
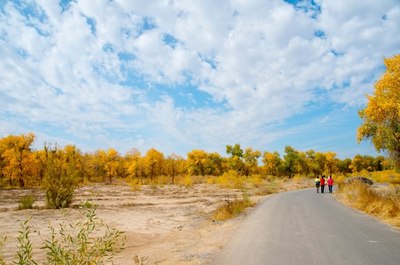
pixel 232 208
pixel 26 202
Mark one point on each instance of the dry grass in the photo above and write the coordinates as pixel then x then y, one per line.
pixel 384 205
pixel 232 208
pixel 185 181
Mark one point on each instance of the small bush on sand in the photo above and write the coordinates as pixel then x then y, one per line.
pixel 162 180
pixel 26 202
pixel 255 181
pixel 134 183
pixel 232 208
pixel 185 180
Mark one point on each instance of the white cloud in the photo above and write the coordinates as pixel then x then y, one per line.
pixel 94 69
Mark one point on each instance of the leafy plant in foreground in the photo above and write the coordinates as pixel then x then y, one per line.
pixel 77 243
pixel 24 253
pixel 88 241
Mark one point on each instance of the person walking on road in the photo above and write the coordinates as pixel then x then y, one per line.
pixel 322 183
pixel 317 182
pixel 330 183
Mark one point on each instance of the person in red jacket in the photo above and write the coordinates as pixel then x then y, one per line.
pixel 322 182
pixel 330 183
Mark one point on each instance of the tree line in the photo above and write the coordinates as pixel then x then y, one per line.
pixel 22 166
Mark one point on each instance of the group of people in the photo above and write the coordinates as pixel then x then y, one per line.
pixel 321 182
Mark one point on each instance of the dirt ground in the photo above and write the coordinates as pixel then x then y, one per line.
pixel 167 224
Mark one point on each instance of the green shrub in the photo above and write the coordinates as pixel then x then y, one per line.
pixel 26 202
pixel 61 177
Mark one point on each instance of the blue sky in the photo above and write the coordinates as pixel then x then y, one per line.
pixel 184 75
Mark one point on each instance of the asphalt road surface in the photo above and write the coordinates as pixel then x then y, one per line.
pixel 303 227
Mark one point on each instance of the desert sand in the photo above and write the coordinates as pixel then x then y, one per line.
pixel 168 224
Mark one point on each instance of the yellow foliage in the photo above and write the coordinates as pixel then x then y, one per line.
pixel 153 163
pixel 255 181
pixel 382 113
pixel 20 165
pixel 230 180
pixel 134 183
pixel 162 180
pixel 386 176
pixel 339 179
pixel 185 180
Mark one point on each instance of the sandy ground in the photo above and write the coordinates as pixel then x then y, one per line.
pixel 163 225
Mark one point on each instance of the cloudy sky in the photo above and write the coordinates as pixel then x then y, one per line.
pixel 179 75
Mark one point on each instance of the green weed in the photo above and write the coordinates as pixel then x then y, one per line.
pixel 26 202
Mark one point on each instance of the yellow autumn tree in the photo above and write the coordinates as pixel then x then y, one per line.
pixel 174 165
pixel 134 164
pixel 272 163
pixel 197 161
pixel 235 162
pixel 381 116
pixel 250 158
pixel 331 165
pixel 112 164
pixel 303 165
pixel 74 156
pixel 153 163
pixel 97 166
pixel 19 165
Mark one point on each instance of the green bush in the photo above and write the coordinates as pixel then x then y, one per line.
pixel 26 202
pixel 61 177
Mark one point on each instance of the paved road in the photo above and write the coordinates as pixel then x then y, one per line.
pixel 303 227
